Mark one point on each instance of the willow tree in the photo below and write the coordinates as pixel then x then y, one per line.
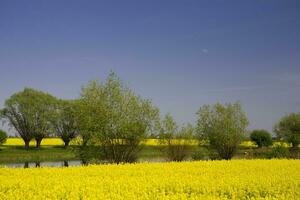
pixel 176 141
pixel 115 118
pixel 224 126
pixel 28 113
pixel 64 121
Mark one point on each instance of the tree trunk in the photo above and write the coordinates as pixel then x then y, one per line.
pixel 66 143
pixel 37 164
pixel 26 165
pixel 26 144
pixel 294 146
pixel 38 142
pixel 66 164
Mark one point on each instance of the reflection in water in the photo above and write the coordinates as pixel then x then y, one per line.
pixel 43 164
pixel 66 163
pixel 37 164
pixel 26 164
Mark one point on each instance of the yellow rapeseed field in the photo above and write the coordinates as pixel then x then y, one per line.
pixel 237 179
pixel 45 142
pixel 58 141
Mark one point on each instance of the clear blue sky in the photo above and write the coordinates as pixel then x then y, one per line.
pixel 181 54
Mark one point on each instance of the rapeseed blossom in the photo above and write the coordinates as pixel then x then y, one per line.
pixel 236 179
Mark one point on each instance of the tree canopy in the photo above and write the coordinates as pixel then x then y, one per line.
pixel 177 140
pixel 64 120
pixel 288 129
pixel 262 138
pixel 224 126
pixel 28 112
pixel 113 116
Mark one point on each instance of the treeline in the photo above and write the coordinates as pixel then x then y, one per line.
pixel 112 120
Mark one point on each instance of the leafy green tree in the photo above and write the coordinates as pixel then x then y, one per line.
pixel 113 117
pixel 169 128
pixel 3 136
pixel 176 140
pixel 28 112
pixel 261 138
pixel 64 120
pixel 224 126
pixel 288 129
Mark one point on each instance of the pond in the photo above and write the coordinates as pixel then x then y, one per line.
pixel 43 164
pixel 65 163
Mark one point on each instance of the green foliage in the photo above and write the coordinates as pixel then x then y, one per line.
pixel 3 136
pixel 223 125
pixel 64 120
pixel 261 138
pixel 279 151
pixel 89 154
pixel 112 116
pixel 201 154
pixel 288 129
pixel 28 112
pixel 169 129
pixel 177 141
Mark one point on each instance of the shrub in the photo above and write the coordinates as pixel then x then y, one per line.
pixel 89 154
pixel 176 143
pixel 279 151
pixel 201 154
pixel 262 138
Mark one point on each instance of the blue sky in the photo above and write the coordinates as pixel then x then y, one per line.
pixel 180 54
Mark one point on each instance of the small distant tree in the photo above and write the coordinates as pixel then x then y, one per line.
pixel 261 138
pixel 288 129
pixel 64 121
pixel 224 126
pixel 177 141
pixel 3 137
pixel 28 112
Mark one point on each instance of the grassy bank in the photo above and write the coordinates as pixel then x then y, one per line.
pixel 52 150
pixel 17 154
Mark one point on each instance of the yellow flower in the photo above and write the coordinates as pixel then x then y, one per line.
pixel 236 179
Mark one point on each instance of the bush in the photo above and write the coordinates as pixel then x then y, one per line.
pixel 178 152
pixel 201 154
pixel 279 151
pixel 214 155
pixel 3 136
pixel 89 154
pixel 261 138
pixel 176 143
